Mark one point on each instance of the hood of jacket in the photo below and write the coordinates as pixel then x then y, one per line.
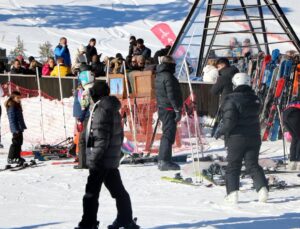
pixel 166 67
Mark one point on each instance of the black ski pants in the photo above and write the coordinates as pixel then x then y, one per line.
pixel 169 127
pixel 291 121
pixel 112 180
pixel 244 148
pixel 82 147
pixel 16 146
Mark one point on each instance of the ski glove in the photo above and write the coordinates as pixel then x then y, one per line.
pixel 178 116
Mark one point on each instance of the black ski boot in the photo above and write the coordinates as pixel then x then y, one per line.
pixel 95 226
pixel 167 165
pixel 21 161
pixel 117 225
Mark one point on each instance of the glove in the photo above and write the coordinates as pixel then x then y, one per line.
pixel 79 126
pixel 178 116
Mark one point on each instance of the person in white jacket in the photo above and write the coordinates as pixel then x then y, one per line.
pixel 79 58
pixel 210 71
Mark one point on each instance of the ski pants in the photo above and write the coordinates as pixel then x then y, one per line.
pixel 16 145
pixel 112 180
pixel 82 146
pixel 169 134
pixel 291 121
pixel 244 148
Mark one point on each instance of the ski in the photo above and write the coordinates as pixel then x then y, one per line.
pixel 187 181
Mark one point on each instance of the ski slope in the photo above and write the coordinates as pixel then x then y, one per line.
pixel 111 22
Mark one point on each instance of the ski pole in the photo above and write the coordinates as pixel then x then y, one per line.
pixel 192 147
pixel 9 83
pixel 107 71
pixel 130 108
pixel 41 103
pixel 283 140
pixel 62 99
pixel 196 121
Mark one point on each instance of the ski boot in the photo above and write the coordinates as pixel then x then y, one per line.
pixel 21 161
pixel 95 226
pixel 117 225
pixel 167 165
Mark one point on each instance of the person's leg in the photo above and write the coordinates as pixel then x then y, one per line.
pixel 235 158
pixel 15 147
pixel 293 149
pixel 82 147
pixel 251 162
pixel 169 133
pixel 114 184
pixel 298 150
pixel 91 196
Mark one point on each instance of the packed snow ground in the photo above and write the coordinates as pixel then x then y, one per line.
pixel 50 197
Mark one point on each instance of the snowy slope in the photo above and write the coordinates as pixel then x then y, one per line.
pixel 111 22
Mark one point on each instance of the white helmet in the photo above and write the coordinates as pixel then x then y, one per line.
pixel 241 79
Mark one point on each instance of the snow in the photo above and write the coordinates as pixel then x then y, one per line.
pixel 50 196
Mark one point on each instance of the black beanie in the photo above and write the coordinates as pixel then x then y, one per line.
pixel 99 90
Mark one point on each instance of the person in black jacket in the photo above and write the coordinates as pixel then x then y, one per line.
pixel 97 67
pixel 241 127
pixel 223 86
pixel 104 140
pixel 291 120
pixel 169 102
pixel 141 49
pixel 17 68
pixel 17 126
pixel 91 50
pixel 162 52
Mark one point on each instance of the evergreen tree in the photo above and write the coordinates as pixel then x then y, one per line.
pixel 19 49
pixel 46 50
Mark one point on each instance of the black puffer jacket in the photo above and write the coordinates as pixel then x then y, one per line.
pixel 240 113
pixel 224 85
pixel 167 88
pixel 106 135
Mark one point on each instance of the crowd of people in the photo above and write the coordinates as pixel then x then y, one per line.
pixel 138 58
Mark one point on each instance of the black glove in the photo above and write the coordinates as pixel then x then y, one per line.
pixel 217 134
pixel 178 116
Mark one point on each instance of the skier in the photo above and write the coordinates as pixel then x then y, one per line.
pixel 169 102
pixel 104 141
pixel 223 86
pixel 291 120
pixel 240 116
pixel 82 117
pixel 17 127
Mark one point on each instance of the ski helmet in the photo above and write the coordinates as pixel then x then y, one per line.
pixel 241 79
pixel 86 79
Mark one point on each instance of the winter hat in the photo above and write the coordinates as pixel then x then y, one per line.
pixel 241 79
pixel 82 48
pixel 99 90
pixel 20 58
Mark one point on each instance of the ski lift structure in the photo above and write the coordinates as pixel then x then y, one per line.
pixel 212 23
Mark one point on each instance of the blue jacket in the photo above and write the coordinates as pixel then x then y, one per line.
pixel 78 113
pixel 16 119
pixel 63 52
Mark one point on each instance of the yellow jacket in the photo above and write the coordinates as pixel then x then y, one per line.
pixel 64 71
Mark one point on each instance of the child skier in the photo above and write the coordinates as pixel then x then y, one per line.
pixel 291 120
pixel 240 116
pixel 17 127
pixel 104 140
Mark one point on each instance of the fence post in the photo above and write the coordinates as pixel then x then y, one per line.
pixel 62 100
pixel 41 103
pixel 9 83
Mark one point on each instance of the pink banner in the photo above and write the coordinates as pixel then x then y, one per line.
pixel 164 33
